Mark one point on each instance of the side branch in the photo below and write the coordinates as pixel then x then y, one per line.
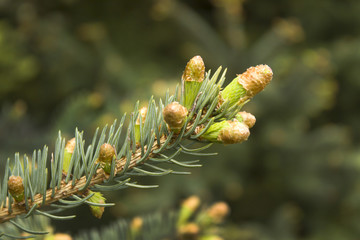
pixel 68 190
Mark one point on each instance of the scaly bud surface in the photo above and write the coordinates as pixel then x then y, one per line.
pixel 193 77
pixel 237 132
pixel 107 152
pixel 246 118
pixel 255 79
pixel 106 156
pixel 227 132
pixel 246 85
pixel 175 116
pixel 194 70
pixel 16 188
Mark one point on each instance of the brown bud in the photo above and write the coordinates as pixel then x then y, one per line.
pixel 237 132
pixel 218 211
pixel 175 115
pixel 107 152
pixel 255 79
pixel 194 70
pixel 70 145
pixel 247 118
pixel 142 115
pixel 16 188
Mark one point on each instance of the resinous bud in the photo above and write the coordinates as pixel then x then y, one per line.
pixel 246 118
pixel 175 116
pixel 16 188
pixel 106 156
pixel 237 132
pixel 194 70
pixel 193 77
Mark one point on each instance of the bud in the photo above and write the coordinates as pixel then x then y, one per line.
pixel 246 118
pixel 142 115
pixel 16 188
pixel 175 116
pixel 106 156
pixel 192 78
pixel 69 149
pixel 233 93
pixel 189 231
pixel 136 226
pixel 194 70
pixel 247 84
pixel 188 207
pixel 137 223
pixel 236 133
pixel 255 79
pixel 227 131
pixel 96 198
pixel 218 212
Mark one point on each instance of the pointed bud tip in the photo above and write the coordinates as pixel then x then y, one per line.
pixel 194 70
pixel 70 145
pixel 142 114
pixel 255 79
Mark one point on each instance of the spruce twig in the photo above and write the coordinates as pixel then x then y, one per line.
pixel 106 165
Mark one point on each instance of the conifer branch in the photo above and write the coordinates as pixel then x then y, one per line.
pixel 67 190
pixel 203 112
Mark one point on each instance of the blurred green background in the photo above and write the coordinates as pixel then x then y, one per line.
pixel 72 63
